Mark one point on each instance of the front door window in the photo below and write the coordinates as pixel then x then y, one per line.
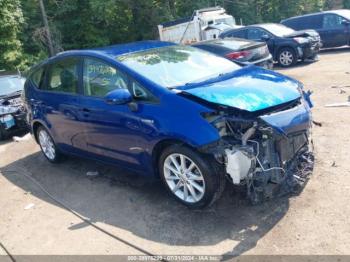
pixel 100 78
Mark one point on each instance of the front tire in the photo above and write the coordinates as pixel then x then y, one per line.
pixel 48 146
pixel 193 179
pixel 287 57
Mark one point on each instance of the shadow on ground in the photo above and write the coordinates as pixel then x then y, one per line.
pixel 143 208
pixel 9 137
pixel 333 51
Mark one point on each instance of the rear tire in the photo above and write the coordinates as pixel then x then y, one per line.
pixel 48 146
pixel 286 57
pixel 193 179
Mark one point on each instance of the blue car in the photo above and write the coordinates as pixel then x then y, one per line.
pixel 178 113
pixel 333 26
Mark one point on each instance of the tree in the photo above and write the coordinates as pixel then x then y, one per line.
pixel 11 19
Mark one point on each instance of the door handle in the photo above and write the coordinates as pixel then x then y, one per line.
pixel 85 112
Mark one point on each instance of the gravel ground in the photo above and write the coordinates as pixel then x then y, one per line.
pixel 142 218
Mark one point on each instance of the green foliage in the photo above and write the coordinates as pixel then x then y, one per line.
pixel 76 24
pixel 11 19
pixel 346 4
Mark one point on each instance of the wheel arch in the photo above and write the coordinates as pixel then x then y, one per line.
pixel 35 125
pixel 160 147
pixel 285 46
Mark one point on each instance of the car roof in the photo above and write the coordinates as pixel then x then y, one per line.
pixel 120 49
pixel 338 12
pixel 265 25
pixel 218 41
pixel 108 51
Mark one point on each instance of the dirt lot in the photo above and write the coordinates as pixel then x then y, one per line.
pixel 140 213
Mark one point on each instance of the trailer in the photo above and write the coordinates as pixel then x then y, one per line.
pixel 204 24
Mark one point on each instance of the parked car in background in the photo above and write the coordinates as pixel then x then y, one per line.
pixel 12 113
pixel 241 51
pixel 333 26
pixel 286 45
pixel 192 118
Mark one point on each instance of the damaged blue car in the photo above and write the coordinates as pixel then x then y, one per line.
pixel 178 113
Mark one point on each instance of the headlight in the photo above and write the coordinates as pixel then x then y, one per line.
pixel 301 40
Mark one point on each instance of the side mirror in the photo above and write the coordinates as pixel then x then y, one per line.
pixel 265 37
pixel 118 97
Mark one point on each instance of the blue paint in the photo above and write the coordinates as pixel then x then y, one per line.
pixel 89 127
pixel 251 89
pixel 290 121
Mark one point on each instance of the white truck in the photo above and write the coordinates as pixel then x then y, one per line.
pixel 205 24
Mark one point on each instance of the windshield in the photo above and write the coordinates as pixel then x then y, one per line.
pixel 278 30
pixel 177 65
pixel 10 84
pixel 228 21
pixel 344 13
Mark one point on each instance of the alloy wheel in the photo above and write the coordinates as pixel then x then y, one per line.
pixel 47 144
pixel 184 178
pixel 286 58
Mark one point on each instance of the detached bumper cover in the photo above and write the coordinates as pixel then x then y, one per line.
pixel 310 51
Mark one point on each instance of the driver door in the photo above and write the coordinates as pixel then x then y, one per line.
pixel 112 131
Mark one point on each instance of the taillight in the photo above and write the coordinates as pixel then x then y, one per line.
pixel 238 55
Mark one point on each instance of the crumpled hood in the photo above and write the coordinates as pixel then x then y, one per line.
pixel 250 88
pixel 304 33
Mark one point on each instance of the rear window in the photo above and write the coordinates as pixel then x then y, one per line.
pixel 238 34
pixel 63 76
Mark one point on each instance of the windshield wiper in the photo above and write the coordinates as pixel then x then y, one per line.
pixel 199 81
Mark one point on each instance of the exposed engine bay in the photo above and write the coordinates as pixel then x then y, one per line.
pixel 270 154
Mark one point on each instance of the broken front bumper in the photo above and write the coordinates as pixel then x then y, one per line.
pixel 272 153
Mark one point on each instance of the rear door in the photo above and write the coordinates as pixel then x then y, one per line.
pixel 58 101
pixel 334 32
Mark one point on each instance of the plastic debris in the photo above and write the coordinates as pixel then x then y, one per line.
pixel 346 104
pixel 317 123
pixel 348 86
pixel 23 138
pixel 342 104
pixel 92 173
pixel 29 206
